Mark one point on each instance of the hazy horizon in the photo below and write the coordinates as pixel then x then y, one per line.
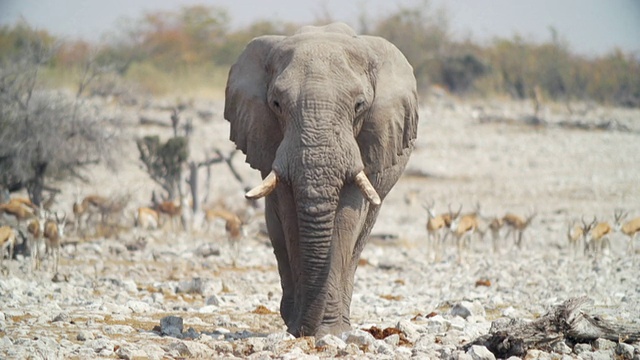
pixel 589 27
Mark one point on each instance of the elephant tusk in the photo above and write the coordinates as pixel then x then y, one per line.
pixel 268 185
pixel 367 189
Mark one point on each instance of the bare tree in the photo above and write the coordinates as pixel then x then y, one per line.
pixel 164 161
pixel 46 134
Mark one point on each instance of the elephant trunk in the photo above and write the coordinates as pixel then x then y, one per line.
pixel 317 200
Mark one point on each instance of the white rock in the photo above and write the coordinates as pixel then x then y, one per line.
pixel 85 335
pixel 360 338
pixel 393 339
pixel 138 307
pixel 409 329
pixel 209 309
pixel 130 286
pixel 331 341
pixel 478 352
pixel 117 329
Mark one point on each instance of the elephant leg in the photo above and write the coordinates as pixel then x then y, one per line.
pixel 354 220
pixel 363 238
pixel 278 219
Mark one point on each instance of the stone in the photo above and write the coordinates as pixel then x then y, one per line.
pixel 117 329
pixel 603 344
pixel 208 309
pixel 171 326
pixel 213 300
pixel 535 354
pixel 101 346
pixel 361 338
pixel 393 340
pixel 331 341
pixel 85 335
pixel 130 352
pixel 193 286
pixel 63 317
pixel 478 352
pixel 561 347
pixel 350 349
pixel 409 330
pixel 437 325
pixel 138 307
pixel 625 350
pixel 581 348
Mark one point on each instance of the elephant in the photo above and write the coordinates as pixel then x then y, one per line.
pixel 329 118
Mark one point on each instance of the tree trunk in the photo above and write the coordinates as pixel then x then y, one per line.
pixel 565 322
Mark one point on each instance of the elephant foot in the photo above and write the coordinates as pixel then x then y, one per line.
pixel 334 329
pixel 322 330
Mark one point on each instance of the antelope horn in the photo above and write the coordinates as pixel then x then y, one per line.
pixel 367 189
pixel 265 188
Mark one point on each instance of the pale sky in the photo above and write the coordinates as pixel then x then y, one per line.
pixel 589 26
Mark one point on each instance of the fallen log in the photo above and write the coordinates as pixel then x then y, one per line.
pixel 566 321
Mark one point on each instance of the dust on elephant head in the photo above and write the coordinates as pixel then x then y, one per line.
pixel 329 118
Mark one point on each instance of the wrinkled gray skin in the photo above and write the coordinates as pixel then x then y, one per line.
pixel 318 107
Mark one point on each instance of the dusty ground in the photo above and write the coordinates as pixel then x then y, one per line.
pixel 113 292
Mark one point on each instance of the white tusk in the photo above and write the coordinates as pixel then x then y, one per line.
pixel 265 188
pixel 367 189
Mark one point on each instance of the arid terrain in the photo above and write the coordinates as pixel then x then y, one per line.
pixel 563 166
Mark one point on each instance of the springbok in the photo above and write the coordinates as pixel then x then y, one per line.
pixel 171 210
pixel 495 225
pixel 436 224
pixel 36 232
pixel 462 227
pixel 630 229
pixel 598 236
pixel 147 218
pixel 575 233
pixel 90 205
pixel 233 227
pixel 19 211
pixel 517 225
pixel 7 242
pixel 53 234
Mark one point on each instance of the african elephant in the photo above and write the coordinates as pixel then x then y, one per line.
pixel 329 118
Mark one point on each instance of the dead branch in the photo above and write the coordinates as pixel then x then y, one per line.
pixel 566 321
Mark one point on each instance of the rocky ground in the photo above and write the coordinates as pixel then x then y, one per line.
pixel 165 294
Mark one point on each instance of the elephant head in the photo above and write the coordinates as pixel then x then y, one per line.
pixel 329 118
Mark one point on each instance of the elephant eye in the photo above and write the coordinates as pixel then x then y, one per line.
pixel 276 104
pixel 359 105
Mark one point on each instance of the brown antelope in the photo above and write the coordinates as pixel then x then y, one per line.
pixel 233 223
pixel 53 234
pixel 18 211
pixel 147 218
pixel 495 225
pixel 436 224
pixel 517 225
pixel 233 227
pixel 7 242
pixel 575 233
pixel 36 231
pixel 462 227
pixel 169 208
pixel 630 228
pixel 90 205
pixel 23 201
pixel 598 236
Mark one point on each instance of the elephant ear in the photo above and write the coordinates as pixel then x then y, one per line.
pixel 389 128
pixel 254 128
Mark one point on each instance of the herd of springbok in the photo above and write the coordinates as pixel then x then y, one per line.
pixel 593 237
pixel 43 230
